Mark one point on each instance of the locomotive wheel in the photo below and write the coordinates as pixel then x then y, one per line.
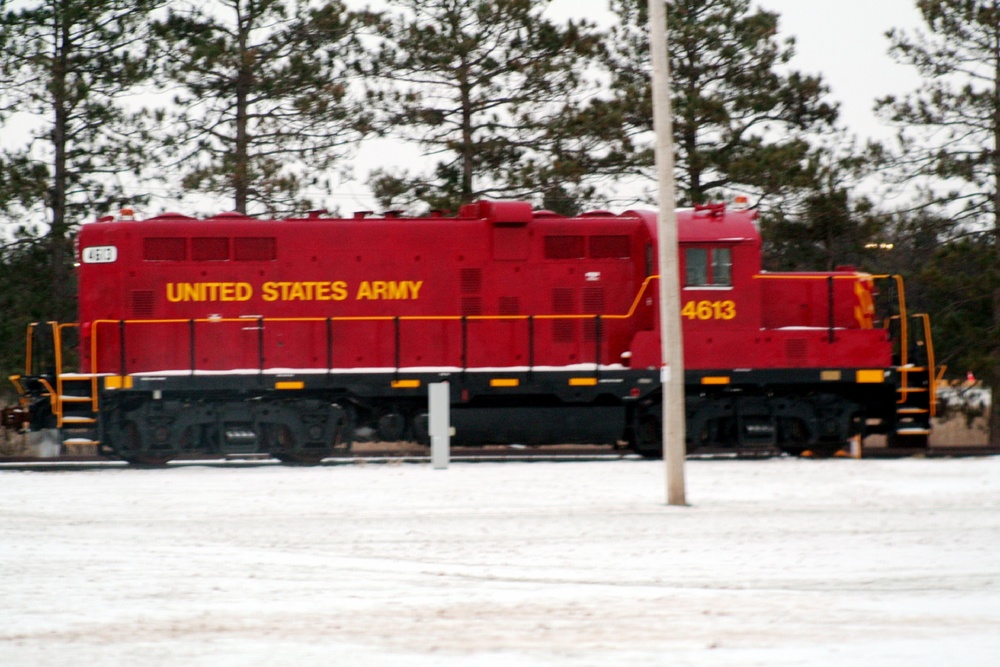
pixel 649 438
pixel 392 426
pixel 134 453
pixel 281 444
pixel 421 429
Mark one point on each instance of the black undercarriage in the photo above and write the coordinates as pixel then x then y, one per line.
pixel 307 417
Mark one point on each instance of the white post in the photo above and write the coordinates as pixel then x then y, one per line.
pixel 855 448
pixel 672 373
pixel 439 404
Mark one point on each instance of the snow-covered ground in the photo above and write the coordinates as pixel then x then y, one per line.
pixel 776 562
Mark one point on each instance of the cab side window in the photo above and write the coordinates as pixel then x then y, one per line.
pixel 722 266
pixel 696 267
pixel 708 267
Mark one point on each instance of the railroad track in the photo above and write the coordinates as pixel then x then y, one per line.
pixel 380 453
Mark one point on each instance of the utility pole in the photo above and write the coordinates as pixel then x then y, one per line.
pixel 671 343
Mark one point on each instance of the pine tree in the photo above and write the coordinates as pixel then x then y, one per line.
pixel 823 222
pixel 23 298
pixel 483 86
pixel 741 121
pixel 269 99
pixel 69 64
pixel 949 133
pixel 828 229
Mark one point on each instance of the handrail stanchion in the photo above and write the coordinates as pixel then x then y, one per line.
pixel 395 322
pixel 329 345
pixel 829 299
pixel 531 347
pixel 191 347
pixel 260 345
pixel 465 344
pixel 121 346
pixel 597 341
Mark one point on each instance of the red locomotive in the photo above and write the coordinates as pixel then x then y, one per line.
pixel 233 335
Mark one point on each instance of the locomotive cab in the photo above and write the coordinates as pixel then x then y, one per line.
pixel 719 257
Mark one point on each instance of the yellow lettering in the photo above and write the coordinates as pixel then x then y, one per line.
pixel 396 290
pixel 338 290
pixel 178 292
pixel 384 289
pixel 289 291
pixel 709 310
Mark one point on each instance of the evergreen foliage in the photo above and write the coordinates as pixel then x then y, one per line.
pixel 72 63
pixel 949 141
pixel 741 122
pixel 22 286
pixel 828 229
pixel 68 65
pixel 482 85
pixel 269 100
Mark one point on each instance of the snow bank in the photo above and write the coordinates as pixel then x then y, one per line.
pixel 777 562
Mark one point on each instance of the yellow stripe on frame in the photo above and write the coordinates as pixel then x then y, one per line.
pixel 290 385
pixel 583 382
pixel 830 376
pixel 405 384
pixel 715 379
pixel 870 376
pixel 118 382
pixel 504 382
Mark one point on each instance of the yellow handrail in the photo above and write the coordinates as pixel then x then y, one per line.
pixel 371 318
pixel 16 381
pixel 931 374
pixel 53 400
pixel 29 350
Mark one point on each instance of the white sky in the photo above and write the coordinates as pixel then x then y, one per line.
pixel 842 40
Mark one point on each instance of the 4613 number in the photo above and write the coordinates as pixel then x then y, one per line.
pixel 709 310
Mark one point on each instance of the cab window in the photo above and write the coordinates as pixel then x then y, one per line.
pixel 722 266
pixel 708 267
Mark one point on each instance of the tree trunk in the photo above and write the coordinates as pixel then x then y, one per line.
pixel 241 157
pixel 468 165
pixel 60 291
pixel 994 372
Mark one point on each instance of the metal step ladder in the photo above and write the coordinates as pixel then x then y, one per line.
pixel 74 405
pixel 916 396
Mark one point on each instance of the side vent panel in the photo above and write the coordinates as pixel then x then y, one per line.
pixel 143 303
